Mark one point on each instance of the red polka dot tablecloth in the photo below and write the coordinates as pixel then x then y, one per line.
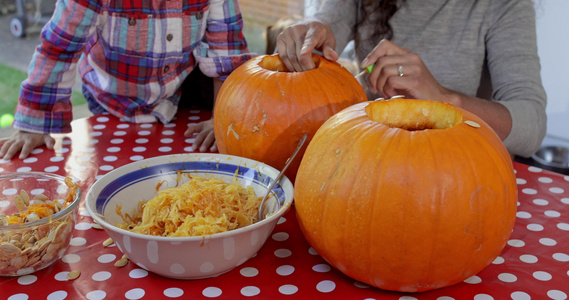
pixel 534 264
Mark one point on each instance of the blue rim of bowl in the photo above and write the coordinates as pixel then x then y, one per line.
pixel 69 208
pixel 213 163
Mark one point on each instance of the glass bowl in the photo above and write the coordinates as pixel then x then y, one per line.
pixel 37 217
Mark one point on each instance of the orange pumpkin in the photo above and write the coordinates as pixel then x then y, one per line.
pixel 262 110
pixel 406 195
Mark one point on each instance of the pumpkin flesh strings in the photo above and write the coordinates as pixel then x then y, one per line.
pixel 201 206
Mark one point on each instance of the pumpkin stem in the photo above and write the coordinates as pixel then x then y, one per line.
pixel 413 115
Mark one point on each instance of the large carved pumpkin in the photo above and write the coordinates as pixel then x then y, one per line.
pixel 262 110
pixel 406 195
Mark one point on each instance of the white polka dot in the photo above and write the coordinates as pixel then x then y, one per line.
pixel 93 141
pixel 565 200
pixel 113 149
pixel 168 132
pixel 123 126
pixel 507 277
pixel 27 279
pixel 101 276
pixel 138 149
pixel 83 226
pixel 523 215
pixel 483 297
pixel 312 251
pixel 138 273
pixel 173 292
pixel 24 169
pixel 20 296
pixel 106 258
pixel 96 133
pixel 545 180
pixel 120 133
pixel 61 150
pixel 520 181
pixel 498 260
pixel 547 242
pixel 280 236
pixel 540 202
pixel 535 227
pixel 106 167
pixel 134 294
pixel 534 169
pixel 136 157
pixel 520 296
pixel 556 295
pixel 288 289
pixel 552 213
pixel 285 270
pixel 102 119
pixel 543 276
pixel 30 160
pixel 61 276
pixel 563 226
pixel 78 241
pixel 99 127
pixel 321 268
pixel 146 125
pixel 141 141
pixel 557 190
pixel 144 132
pixel 110 158
pixel 166 141
pixel 10 191
pixel 561 257
pixel 57 295
pixel 188 149
pixel 529 191
pixel 282 253
pixel 190 140
pixel 249 272
pixel 516 243
pixel 117 141
pixel 96 295
pixel 528 258
pixel 56 158
pixel 177 269
pixel 206 267
pixel 165 149
pixel 71 258
pixel 326 286
pixel 473 280
pixel 193 118
pixel 212 292
pixel 445 298
pixel 250 291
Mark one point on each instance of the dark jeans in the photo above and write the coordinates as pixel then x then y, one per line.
pixel 197 91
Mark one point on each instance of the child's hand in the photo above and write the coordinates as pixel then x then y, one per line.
pixel 205 139
pixel 24 142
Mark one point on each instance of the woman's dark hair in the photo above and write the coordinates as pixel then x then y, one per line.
pixel 381 11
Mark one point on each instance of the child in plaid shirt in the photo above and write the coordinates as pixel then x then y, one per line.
pixel 133 57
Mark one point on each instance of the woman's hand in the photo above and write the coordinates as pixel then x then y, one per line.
pixel 398 71
pixel 205 139
pixel 24 142
pixel 296 43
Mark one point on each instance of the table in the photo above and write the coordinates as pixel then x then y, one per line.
pixel 534 264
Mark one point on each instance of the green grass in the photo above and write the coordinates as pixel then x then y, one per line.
pixel 10 80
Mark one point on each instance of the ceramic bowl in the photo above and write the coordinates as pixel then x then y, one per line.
pixel 37 242
pixel 186 257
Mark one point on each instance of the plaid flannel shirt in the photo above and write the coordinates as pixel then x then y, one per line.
pixel 132 56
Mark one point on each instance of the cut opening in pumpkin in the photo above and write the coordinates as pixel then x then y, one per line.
pixel 274 63
pixel 413 115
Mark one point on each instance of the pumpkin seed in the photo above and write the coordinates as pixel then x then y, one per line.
pixel 73 274
pixel 20 204
pixel 108 242
pixel 122 262
pixel 96 226
pixel 25 197
pixel 41 197
pixel 472 123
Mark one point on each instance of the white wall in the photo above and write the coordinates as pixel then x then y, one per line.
pixel 552 18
